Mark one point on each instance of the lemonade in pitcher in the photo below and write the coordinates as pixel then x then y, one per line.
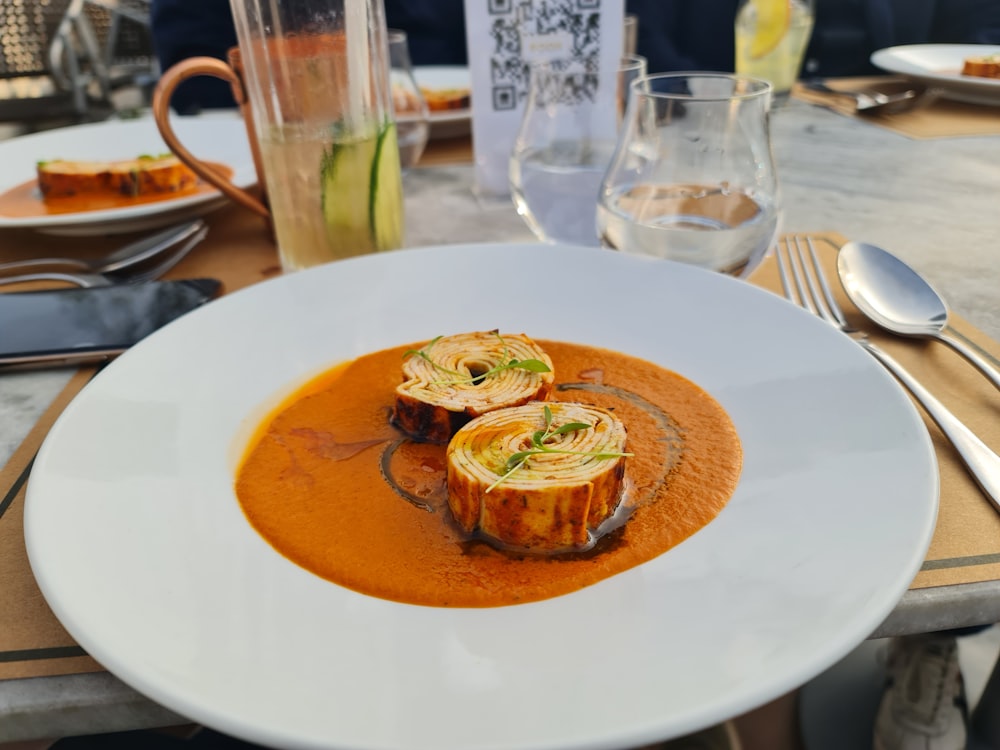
pixel 334 195
pixel 330 155
pixel 771 40
pixel 327 140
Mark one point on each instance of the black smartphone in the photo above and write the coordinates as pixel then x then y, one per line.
pixel 78 326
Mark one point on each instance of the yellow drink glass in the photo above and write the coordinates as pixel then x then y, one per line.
pixel 771 40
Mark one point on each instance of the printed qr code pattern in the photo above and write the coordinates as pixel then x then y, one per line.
pixel 576 21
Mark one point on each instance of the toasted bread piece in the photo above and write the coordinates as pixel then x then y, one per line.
pixel 985 66
pixel 145 175
pixel 441 100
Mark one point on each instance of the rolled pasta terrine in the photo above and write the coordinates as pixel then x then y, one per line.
pixel 456 378
pixel 542 476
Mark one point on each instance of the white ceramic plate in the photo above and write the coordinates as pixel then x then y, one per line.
pixel 141 549
pixel 940 66
pixel 217 137
pixel 451 123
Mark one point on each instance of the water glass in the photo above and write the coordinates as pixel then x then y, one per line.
pixel 409 105
pixel 631 30
pixel 564 146
pixel 692 178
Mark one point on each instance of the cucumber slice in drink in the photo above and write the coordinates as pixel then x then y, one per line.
pixel 345 183
pixel 386 197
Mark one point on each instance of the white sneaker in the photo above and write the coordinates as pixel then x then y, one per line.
pixel 923 706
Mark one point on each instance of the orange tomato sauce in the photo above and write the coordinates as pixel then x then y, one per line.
pixel 25 200
pixel 333 487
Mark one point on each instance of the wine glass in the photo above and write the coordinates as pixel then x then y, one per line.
pixel 693 178
pixel 412 117
pixel 564 145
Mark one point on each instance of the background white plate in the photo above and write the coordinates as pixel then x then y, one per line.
pixel 141 549
pixel 217 137
pixel 940 66
pixel 449 123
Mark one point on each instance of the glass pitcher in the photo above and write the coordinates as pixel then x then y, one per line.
pixel 312 81
pixel 317 76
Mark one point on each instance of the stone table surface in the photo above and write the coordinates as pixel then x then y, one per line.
pixel 934 203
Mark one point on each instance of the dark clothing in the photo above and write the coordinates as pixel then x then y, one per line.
pixel 188 28
pixel 688 35
pixel 848 31
pixel 673 34
pixel 191 28
pixel 684 34
pixel 435 29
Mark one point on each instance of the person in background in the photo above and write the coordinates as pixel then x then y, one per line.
pixel 435 29
pixel 190 28
pixel 682 35
pixel 673 34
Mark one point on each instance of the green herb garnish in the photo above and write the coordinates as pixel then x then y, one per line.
pixel 538 440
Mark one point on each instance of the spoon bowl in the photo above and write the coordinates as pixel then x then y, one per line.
pixel 894 296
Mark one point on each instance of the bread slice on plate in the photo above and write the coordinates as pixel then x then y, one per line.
pixel 984 66
pixel 144 175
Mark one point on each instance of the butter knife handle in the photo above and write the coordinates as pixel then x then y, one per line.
pixel 983 464
pixel 983 366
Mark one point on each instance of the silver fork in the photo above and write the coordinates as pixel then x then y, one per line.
pixel 870 101
pixel 130 275
pixel 804 283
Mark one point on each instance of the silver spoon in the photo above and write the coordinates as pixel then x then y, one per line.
pixel 897 298
pixel 132 254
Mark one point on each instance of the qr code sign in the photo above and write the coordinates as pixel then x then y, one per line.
pixel 522 31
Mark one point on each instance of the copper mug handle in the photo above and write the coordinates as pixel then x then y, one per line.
pixel 169 81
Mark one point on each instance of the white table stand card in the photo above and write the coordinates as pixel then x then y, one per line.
pixel 504 38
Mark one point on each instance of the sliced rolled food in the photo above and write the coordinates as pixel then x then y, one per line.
pixel 542 476
pixel 145 175
pixel 453 379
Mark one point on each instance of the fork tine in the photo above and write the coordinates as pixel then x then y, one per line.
pixel 804 281
pixel 793 281
pixel 831 302
pixel 820 293
pixel 784 272
pixel 811 273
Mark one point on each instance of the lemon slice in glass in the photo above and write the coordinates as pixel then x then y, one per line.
pixel 773 20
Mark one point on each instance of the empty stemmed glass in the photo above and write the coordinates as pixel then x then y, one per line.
pixel 412 117
pixel 693 177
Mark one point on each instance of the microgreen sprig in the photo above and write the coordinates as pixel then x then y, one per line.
pixel 538 442
pixel 531 365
